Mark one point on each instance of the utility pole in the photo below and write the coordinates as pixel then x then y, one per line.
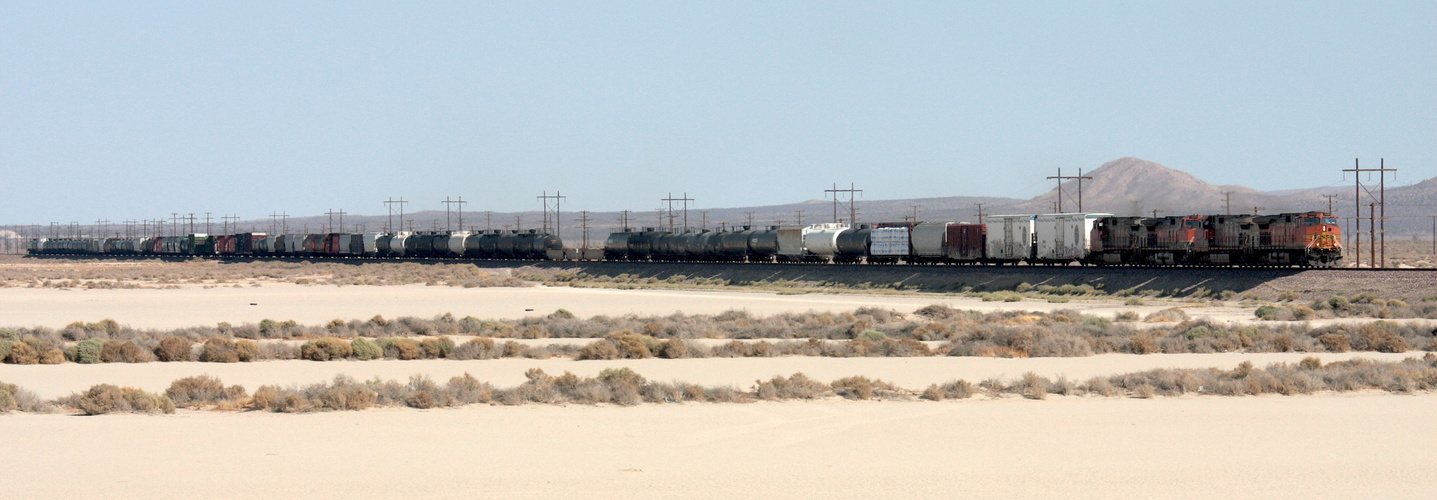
pixel 1060 177
pixel 980 212
pixel 852 211
pixel 207 223
pixel 703 219
pixel 328 228
pixel 915 213
pixel 1381 200
pixel 685 201
pixel 1227 201
pixel 1155 213
pixel 1257 210
pixel 447 202
pixel 1330 208
pixel 227 219
pixel 750 219
pixel 584 225
pixel 284 224
pixel 800 217
pixel 557 198
pixel 624 221
pixel 488 221
pixel 389 204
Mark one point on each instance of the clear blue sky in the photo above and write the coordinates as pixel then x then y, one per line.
pixel 139 109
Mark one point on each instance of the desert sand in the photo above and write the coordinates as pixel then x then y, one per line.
pixel 1345 446
pixel 52 381
pixel 1326 445
pixel 191 306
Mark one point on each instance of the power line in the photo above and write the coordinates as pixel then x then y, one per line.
pixel 1060 177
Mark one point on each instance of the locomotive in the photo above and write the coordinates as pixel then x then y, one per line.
pixel 1307 239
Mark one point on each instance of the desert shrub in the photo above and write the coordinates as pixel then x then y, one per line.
pixel 955 389
pixel 1033 386
pixel 797 386
pixel 325 349
pixel 856 387
pixel 5 346
pixel 1334 343
pixel 403 349
pixel 873 335
pixel 599 349
pixel 267 398
pixel 7 398
pixel 345 395
pixel 1126 316
pixel 630 345
pixel 247 350
pixel 173 349
pixel 438 347
pixel 478 348
pixel 365 349
pixel 1380 337
pixel 201 390
pixel 87 351
pixel 1268 313
pixel 106 398
pixel 115 351
pixel 1172 314
pixel 219 350
pixel 673 349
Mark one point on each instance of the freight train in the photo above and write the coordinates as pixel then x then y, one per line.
pixel 1310 239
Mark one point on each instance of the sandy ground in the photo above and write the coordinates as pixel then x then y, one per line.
pixel 51 381
pixel 1333 446
pixel 141 308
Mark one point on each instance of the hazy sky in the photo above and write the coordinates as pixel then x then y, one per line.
pixel 119 110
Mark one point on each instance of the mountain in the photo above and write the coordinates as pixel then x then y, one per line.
pixel 1133 186
pixel 1125 186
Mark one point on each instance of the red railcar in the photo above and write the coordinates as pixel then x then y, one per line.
pixel 967 243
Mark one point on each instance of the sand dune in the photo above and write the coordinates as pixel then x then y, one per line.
pixel 1348 446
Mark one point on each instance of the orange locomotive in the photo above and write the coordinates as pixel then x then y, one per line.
pixel 1308 239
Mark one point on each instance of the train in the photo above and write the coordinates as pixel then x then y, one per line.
pixel 1305 239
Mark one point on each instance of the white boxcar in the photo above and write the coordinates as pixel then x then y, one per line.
pixel 1010 237
pixel 889 242
pixel 1062 238
pixel 821 240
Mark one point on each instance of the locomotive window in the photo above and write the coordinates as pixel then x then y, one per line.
pixel 1192 223
pixel 1329 220
pixel 1310 221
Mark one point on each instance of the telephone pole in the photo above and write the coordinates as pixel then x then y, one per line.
pixel 556 197
pixel 685 201
pixel 1380 200
pixel 584 225
pixel 447 203
pixel 389 204
pixel 330 225
pixel 624 221
pixel 1227 201
pixel 227 219
pixel 852 210
pixel 207 223
pixel 1060 177
pixel 980 213
pixel 280 216
pixel 1330 208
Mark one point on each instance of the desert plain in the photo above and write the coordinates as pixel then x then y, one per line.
pixel 1323 445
